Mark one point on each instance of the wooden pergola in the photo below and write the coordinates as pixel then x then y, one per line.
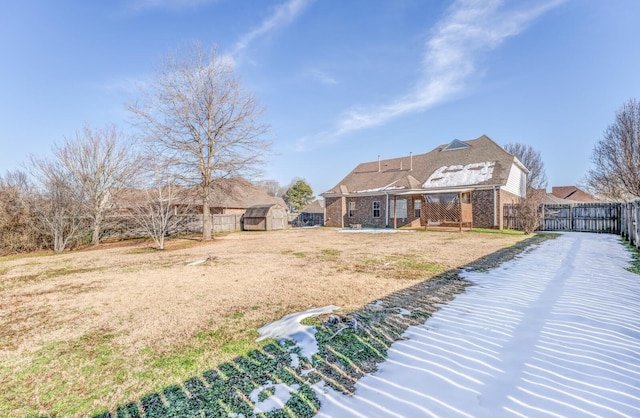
pixel 454 213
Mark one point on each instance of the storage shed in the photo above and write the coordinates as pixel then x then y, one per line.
pixel 265 218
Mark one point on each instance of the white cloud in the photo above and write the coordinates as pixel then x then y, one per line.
pixel 284 14
pixel 470 29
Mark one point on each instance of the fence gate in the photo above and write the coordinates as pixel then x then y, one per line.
pixel 557 218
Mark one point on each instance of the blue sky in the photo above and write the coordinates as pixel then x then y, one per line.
pixel 342 81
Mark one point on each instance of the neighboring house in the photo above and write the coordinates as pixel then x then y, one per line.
pixel 460 182
pixel 228 196
pixel 572 194
pixel 235 196
pixel 311 215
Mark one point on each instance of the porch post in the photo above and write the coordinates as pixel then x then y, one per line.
pixel 395 213
pixel 460 211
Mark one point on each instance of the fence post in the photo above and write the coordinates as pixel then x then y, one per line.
pixel 635 224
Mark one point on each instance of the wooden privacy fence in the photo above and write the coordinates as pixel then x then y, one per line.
pixel 630 227
pixel 580 217
pixel 125 226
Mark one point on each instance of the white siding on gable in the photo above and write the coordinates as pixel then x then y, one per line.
pixel 517 182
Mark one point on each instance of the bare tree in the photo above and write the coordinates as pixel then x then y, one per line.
pixel 102 163
pixel 530 158
pixel 16 233
pixel 273 188
pixel 528 208
pixel 200 119
pixel 616 157
pixel 56 202
pixel 160 207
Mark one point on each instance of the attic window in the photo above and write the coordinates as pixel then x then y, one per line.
pixel 456 144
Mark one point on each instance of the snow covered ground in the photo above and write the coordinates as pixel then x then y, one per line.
pixel 555 332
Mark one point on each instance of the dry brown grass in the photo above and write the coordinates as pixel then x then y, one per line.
pixel 112 324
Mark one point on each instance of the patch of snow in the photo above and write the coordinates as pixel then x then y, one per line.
pixel 403 311
pixel 374 230
pixel 554 333
pixel 276 401
pixel 289 327
pixel 307 371
pixel 295 360
pixel 376 304
pixel 379 189
pixel 198 262
pixel 460 175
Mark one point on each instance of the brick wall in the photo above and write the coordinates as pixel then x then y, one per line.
pixel 335 211
pixel 363 213
pixel 483 208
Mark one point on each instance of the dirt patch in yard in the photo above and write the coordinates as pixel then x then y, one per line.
pixel 114 323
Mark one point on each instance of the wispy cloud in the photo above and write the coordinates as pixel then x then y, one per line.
pixel 322 76
pixel 470 29
pixel 283 15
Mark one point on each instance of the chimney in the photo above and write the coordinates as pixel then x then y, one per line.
pixel 411 161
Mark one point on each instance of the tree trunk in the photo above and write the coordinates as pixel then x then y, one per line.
pixel 95 236
pixel 206 218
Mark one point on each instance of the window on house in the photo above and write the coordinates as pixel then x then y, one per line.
pixel 400 209
pixel 417 206
pixel 352 209
pixel 376 209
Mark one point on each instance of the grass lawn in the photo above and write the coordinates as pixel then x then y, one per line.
pixel 88 331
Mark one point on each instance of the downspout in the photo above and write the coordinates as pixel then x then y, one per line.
pixel 495 206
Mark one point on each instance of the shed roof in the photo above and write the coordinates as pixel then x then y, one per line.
pixel 261 211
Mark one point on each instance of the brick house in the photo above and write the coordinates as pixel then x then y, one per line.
pixel 463 183
pixel 572 194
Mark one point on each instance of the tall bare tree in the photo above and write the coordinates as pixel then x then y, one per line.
pixel 102 163
pixel 202 121
pixel 529 207
pixel 616 157
pixel 56 202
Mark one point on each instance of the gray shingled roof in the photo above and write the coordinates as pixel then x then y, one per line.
pixel 482 163
pixel 239 193
pixel 317 206
pixel 231 193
